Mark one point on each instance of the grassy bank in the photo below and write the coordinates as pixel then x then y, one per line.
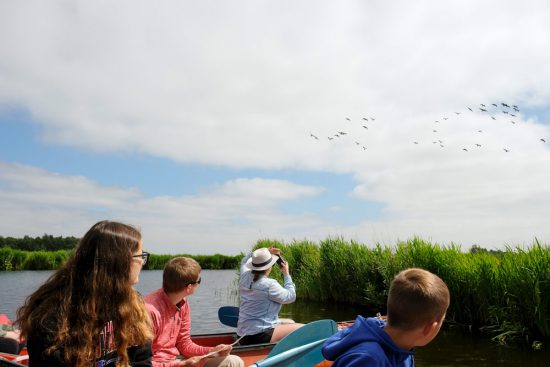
pixel 506 294
pixel 50 260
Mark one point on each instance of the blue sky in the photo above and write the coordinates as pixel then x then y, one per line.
pixel 193 121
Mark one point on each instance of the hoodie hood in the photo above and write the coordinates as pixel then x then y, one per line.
pixel 363 336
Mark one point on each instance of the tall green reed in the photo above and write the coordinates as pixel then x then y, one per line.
pixel 506 293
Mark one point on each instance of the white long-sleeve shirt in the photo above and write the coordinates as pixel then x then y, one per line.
pixel 261 301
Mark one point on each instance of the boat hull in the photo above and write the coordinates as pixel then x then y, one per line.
pixel 250 354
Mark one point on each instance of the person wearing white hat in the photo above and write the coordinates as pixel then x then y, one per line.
pixel 262 297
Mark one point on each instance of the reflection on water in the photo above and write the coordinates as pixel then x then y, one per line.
pixel 218 288
pixel 459 348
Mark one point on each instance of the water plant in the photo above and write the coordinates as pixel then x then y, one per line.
pixel 505 293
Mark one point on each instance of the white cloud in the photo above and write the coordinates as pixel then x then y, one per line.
pixel 244 85
pixel 227 219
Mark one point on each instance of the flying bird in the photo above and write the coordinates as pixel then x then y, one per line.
pixel 506 150
pixel 480 131
pixel 482 105
pixel 464 149
pixel 313 136
pixel 366 119
pixel 470 109
pixel 347 118
pixel 493 118
pixel 544 141
pixel 365 127
pixel 435 131
pixel 494 104
pixel 458 113
pixel 513 122
pixel 505 105
pixel 330 138
pixel 513 115
pixel 357 143
pixel 416 142
pixel 478 145
pixel 482 110
pixel 504 111
pixel 364 147
pixel 342 132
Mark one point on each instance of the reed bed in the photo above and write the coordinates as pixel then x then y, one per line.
pixel 506 294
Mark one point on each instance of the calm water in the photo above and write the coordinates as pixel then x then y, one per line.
pixel 450 348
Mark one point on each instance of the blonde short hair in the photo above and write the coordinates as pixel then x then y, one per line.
pixel 416 297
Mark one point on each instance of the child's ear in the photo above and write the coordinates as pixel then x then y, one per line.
pixel 429 328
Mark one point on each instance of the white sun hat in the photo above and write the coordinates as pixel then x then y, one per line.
pixel 261 259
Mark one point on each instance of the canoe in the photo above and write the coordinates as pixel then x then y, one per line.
pixel 299 348
pixel 250 354
pixel 11 360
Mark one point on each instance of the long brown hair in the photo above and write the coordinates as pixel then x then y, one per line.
pixel 258 274
pixel 90 289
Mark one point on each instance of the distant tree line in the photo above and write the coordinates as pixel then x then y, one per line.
pixel 49 252
pixel 45 243
pixel 476 249
pixel 11 259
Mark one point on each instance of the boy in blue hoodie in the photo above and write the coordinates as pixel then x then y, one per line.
pixel 417 303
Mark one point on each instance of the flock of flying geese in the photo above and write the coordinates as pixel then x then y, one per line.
pixel 339 134
pixel 509 111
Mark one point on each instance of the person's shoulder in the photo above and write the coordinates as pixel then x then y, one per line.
pixel 370 350
pixel 153 299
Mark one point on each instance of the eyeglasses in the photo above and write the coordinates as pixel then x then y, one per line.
pixel 144 257
pixel 197 282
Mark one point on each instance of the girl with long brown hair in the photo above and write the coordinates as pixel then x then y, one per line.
pixel 88 313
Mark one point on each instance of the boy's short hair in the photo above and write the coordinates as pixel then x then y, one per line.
pixel 179 273
pixel 416 297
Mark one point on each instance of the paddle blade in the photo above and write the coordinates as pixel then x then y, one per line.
pixel 304 355
pixel 229 315
pixel 302 347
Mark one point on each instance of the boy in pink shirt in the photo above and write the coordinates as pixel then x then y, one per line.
pixel 171 321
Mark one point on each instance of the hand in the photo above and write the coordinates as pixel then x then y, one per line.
pixel 222 349
pixel 274 251
pixel 15 334
pixel 284 268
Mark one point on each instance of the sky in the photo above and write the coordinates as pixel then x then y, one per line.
pixel 210 125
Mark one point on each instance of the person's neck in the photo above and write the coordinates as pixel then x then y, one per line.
pixel 402 339
pixel 176 297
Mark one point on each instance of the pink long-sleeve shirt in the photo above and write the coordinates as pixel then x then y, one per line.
pixel 172 329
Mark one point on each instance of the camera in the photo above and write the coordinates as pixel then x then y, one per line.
pixel 280 261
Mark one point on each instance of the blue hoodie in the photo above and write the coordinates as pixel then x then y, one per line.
pixel 365 343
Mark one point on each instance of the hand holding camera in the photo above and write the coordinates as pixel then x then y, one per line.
pixel 283 265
